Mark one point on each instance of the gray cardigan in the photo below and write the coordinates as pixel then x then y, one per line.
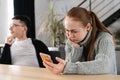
pixel 104 62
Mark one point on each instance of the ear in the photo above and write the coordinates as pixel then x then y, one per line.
pixel 25 28
pixel 88 26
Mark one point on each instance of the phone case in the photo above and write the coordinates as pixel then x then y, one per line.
pixel 45 57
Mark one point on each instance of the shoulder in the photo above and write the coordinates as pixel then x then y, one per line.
pixel 39 45
pixel 104 38
pixel 36 41
pixel 104 35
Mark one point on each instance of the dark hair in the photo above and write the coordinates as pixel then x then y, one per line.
pixel 81 14
pixel 24 19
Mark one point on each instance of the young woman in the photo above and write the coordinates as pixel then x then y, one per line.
pixel 89 48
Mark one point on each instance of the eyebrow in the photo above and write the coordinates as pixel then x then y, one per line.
pixel 71 29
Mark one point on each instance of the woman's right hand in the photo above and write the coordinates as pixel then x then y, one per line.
pixel 55 68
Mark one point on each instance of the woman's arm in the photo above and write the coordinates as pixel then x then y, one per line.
pixel 105 61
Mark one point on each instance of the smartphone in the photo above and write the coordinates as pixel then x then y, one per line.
pixel 45 57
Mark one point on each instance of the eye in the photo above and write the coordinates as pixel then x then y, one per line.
pixel 73 31
pixel 66 30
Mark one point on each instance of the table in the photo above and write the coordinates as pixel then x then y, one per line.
pixel 12 72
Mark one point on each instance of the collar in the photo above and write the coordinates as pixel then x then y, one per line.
pixel 86 39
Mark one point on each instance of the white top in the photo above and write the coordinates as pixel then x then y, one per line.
pixel 23 53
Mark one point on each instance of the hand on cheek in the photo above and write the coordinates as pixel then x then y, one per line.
pixel 10 40
pixel 73 43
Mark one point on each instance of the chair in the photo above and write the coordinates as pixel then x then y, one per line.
pixel 54 52
pixel 62 52
pixel 118 61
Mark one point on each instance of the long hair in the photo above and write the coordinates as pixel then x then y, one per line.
pixel 84 16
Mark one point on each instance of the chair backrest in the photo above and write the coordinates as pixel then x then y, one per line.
pixel 118 61
pixel 62 52
pixel 54 54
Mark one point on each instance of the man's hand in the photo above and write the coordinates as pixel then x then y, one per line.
pixel 9 40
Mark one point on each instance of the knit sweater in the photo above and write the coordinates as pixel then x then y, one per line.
pixel 103 63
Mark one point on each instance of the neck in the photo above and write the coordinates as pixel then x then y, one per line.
pixel 21 38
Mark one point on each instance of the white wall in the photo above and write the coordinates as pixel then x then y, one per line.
pixel 4 19
pixel 41 12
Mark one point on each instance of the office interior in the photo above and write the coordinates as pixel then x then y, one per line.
pixel 108 12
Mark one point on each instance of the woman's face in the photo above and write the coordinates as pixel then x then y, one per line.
pixel 75 30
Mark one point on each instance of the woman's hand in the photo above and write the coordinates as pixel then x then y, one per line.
pixel 55 68
pixel 73 43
